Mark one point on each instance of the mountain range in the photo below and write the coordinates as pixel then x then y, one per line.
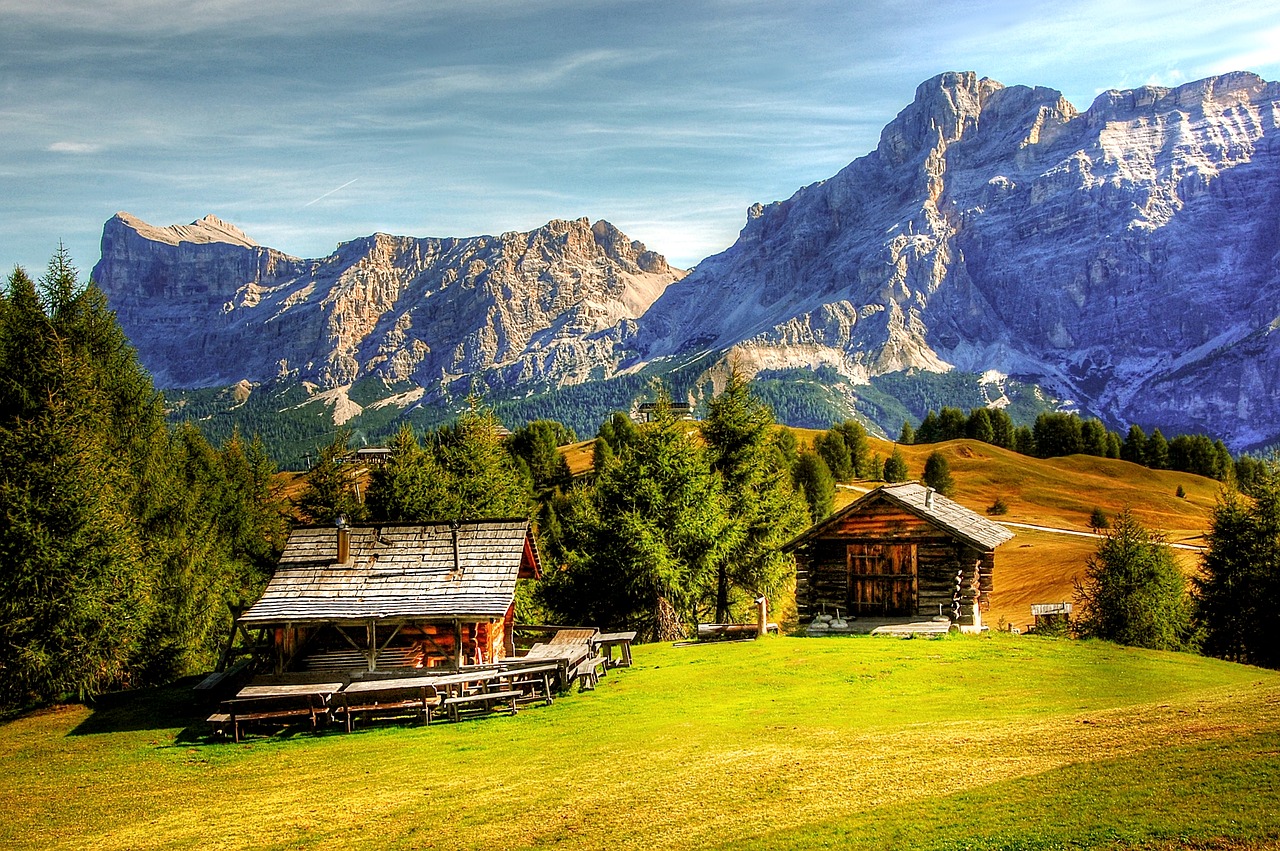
pixel 997 247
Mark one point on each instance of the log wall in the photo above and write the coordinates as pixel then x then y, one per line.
pixel 829 568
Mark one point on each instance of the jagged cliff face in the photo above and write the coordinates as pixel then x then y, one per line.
pixel 1129 255
pixel 206 306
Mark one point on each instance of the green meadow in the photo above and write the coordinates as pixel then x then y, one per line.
pixel 1000 742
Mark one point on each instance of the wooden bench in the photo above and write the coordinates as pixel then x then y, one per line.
pixel 277 707
pixel 588 672
pixel 532 679
pixel 482 700
pixel 386 698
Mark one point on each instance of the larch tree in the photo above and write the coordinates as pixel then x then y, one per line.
pixel 1238 590
pixel 1132 591
pixel 764 510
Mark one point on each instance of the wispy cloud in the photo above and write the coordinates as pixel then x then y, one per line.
pixel 74 148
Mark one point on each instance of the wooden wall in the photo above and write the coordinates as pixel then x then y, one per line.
pixel 429 644
pixel 830 565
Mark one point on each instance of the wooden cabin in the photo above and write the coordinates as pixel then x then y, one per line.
pixel 396 595
pixel 901 551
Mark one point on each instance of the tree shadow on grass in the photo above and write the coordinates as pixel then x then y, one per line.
pixel 159 708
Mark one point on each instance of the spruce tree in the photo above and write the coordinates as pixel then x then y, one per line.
pixel 1132 592
pixel 908 435
pixel 764 511
pixel 895 467
pixel 1238 590
pixel 75 579
pixel 812 477
pixel 937 474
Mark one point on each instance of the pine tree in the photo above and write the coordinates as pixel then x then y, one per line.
pixel 812 477
pixel 979 426
pixel 1238 590
pixel 1134 448
pixel 855 440
pixel 1002 428
pixel 930 431
pixel 410 486
pixel 831 446
pixel 895 467
pixel 1024 441
pixel 645 542
pixel 538 445
pixel 764 511
pixel 1093 438
pixel 937 474
pixel 481 472
pixel 908 435
pixel 1157 454
pixel 1133 592
pixel 332 487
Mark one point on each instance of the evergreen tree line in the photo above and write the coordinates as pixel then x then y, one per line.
pixel 842 454
pixel 677 522
pixel 1134 593
pixel 123 542
pixel 1056 434
pixel 680 522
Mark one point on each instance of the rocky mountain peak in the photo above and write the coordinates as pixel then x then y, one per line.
pixel 209 229
pixel 402 308
pixel 946 107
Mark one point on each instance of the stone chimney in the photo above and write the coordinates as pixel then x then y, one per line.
pixel 344 539
pixel 928 497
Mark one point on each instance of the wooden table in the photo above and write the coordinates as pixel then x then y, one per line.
pixel 391 695
pixel 277 702
pixel 622 640
pixel 291 690
pixel 565 656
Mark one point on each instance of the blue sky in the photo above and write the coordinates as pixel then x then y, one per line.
pixel 309 122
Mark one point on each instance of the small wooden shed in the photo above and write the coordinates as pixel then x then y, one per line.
pixel 900 551
pixel 395 595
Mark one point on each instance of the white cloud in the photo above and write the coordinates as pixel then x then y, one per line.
pixel 74 148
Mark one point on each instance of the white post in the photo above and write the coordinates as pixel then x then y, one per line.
pixel 762 625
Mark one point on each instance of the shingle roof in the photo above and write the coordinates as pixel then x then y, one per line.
pixel 929 505
pixel 395 572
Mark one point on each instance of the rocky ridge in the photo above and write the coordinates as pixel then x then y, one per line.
pixel 1126 257
pixel 206 306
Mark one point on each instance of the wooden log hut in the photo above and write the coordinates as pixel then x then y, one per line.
pixel 395 596
pixel 901 551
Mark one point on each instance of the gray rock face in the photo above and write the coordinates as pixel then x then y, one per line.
pixel 1128 256
pixel 206 306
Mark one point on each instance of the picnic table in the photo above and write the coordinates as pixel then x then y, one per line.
pixel 276 701
pixel 396 696
pixel 609 640
pixel 480 696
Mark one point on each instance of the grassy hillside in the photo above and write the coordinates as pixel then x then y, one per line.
pixel 1060 493
pixel 998 742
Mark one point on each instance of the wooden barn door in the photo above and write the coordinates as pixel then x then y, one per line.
pixel 882 579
